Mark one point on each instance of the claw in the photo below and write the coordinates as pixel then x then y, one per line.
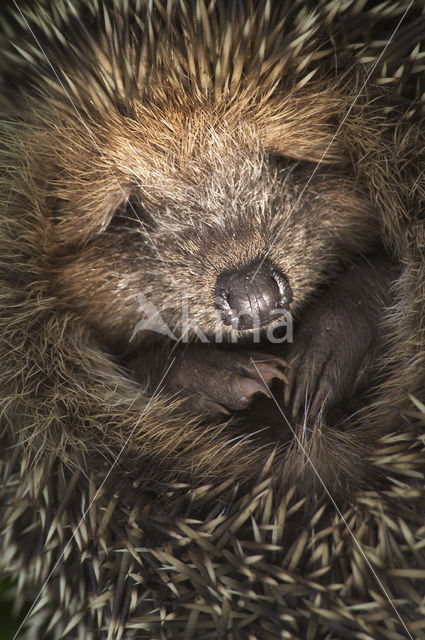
pixel 211 407
pixel 249 387
pixel 268 371
pixel 282 376
pixel 289 387
pixel 320 400
pixel 299 397
pixel 266 358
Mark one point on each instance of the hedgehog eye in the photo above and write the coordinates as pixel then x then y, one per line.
pixel 279 161
pixel 132 215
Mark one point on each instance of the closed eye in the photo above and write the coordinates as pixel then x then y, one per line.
pixel 132 216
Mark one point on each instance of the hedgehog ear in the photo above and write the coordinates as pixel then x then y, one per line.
pixel 306 127
pixel 79 217
pixel 324 151
pixel 307 143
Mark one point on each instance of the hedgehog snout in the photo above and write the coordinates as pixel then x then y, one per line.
pixel 252 296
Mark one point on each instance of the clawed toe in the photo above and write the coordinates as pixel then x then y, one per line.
pixel 268 368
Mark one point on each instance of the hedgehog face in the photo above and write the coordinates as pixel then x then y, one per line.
pixel 180 224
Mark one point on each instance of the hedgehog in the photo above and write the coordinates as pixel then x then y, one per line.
pixel 212 308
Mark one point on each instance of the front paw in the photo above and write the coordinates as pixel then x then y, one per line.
pixel 330 354
pixel 217 381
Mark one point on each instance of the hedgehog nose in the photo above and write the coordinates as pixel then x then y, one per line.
pixel 253 296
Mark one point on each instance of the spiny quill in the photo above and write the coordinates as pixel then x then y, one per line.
pixel 147 150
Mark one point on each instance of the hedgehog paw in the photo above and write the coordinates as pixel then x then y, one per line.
pixel 218 381
pixel 328 359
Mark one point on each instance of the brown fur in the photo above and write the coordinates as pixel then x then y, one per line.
pixel 219 174
pixel 75 237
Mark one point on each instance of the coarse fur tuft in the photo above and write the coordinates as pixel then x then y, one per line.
pixel 146 148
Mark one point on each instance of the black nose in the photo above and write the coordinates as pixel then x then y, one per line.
pixel 253 296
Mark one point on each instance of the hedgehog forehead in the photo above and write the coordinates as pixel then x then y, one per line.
pixel 193 154
pixel 209 192
pixel 170 140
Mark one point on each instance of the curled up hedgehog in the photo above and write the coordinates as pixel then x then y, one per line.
pixel 212 318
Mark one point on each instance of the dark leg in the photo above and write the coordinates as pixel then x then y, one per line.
pixel 210 380
pixel 339 338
